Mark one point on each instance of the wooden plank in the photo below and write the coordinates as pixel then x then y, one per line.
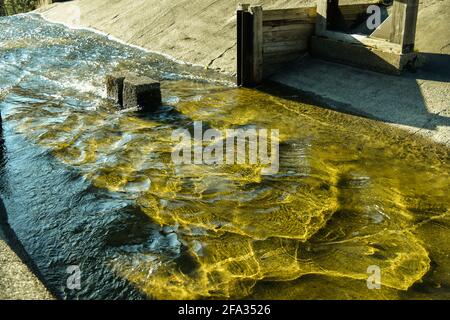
pixel 285 43
pixel 257 12
pixel 286 47
pixel 359 55
pixel 384 30
pixel 277 36
pixel 335 19
pixel 276 57
pixel 321 18
pixel 412 12
pixel 245 48
pixel 276 65
pixel 404 21
pixel 303 28
pixel 243 7
pixel 364 40
pixel 276 23
pixel 353 9
pixel 239 18
pixel 307 14
pixel 398 22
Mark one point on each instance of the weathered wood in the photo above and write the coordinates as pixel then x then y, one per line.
pixel 384 30
pixel 276 23
pixel 243 7
pixel 398 22
pixel 289 47
pixel 244 46
pixel 321 19
pixel 275 66
pixel 404 21
pixel 277 57
pixel 379 44
pixel 141 92
pixel 335 18
pixel 353 9
pixel 257 13
pixel 412 13
pixel 306 14
pixel 290 43
pixel 360 55
pixel 285 35
pixel 286 46
pixel 302 28
pixel 351 12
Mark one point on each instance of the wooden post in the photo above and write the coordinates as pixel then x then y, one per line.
pixel 244 28
pixel 257 72
pixel 404 21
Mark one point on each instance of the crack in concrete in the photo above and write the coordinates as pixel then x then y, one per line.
pixel 220 56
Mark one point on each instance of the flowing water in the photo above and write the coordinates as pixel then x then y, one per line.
pixel 89 185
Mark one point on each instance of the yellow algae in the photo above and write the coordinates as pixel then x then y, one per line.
pixel 229 266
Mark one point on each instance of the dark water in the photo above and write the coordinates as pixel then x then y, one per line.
pixel 86 184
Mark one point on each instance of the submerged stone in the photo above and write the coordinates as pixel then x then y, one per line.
pixel 114 87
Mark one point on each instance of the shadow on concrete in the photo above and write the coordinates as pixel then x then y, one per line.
pixel 8 235
pixel 417 98
pixel 432 66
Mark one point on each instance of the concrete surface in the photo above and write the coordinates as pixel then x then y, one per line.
pixel 17 281
pixel 418 102
pixel 202 32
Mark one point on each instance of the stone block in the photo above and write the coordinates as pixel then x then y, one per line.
pixel 141 92
pixel 114 87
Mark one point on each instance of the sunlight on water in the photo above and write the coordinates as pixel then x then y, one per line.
pixel 350 192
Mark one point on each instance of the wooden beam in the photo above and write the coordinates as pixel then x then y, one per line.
pixel 243 7
pixel 258 63
pixel 286 47
pixel 404 22
pixel 287 35
pixel 379 44
pixel 301 28
pixel 244 50
pixel 321 18
pixel 384 30
pixel 306 14
pixel 360 56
